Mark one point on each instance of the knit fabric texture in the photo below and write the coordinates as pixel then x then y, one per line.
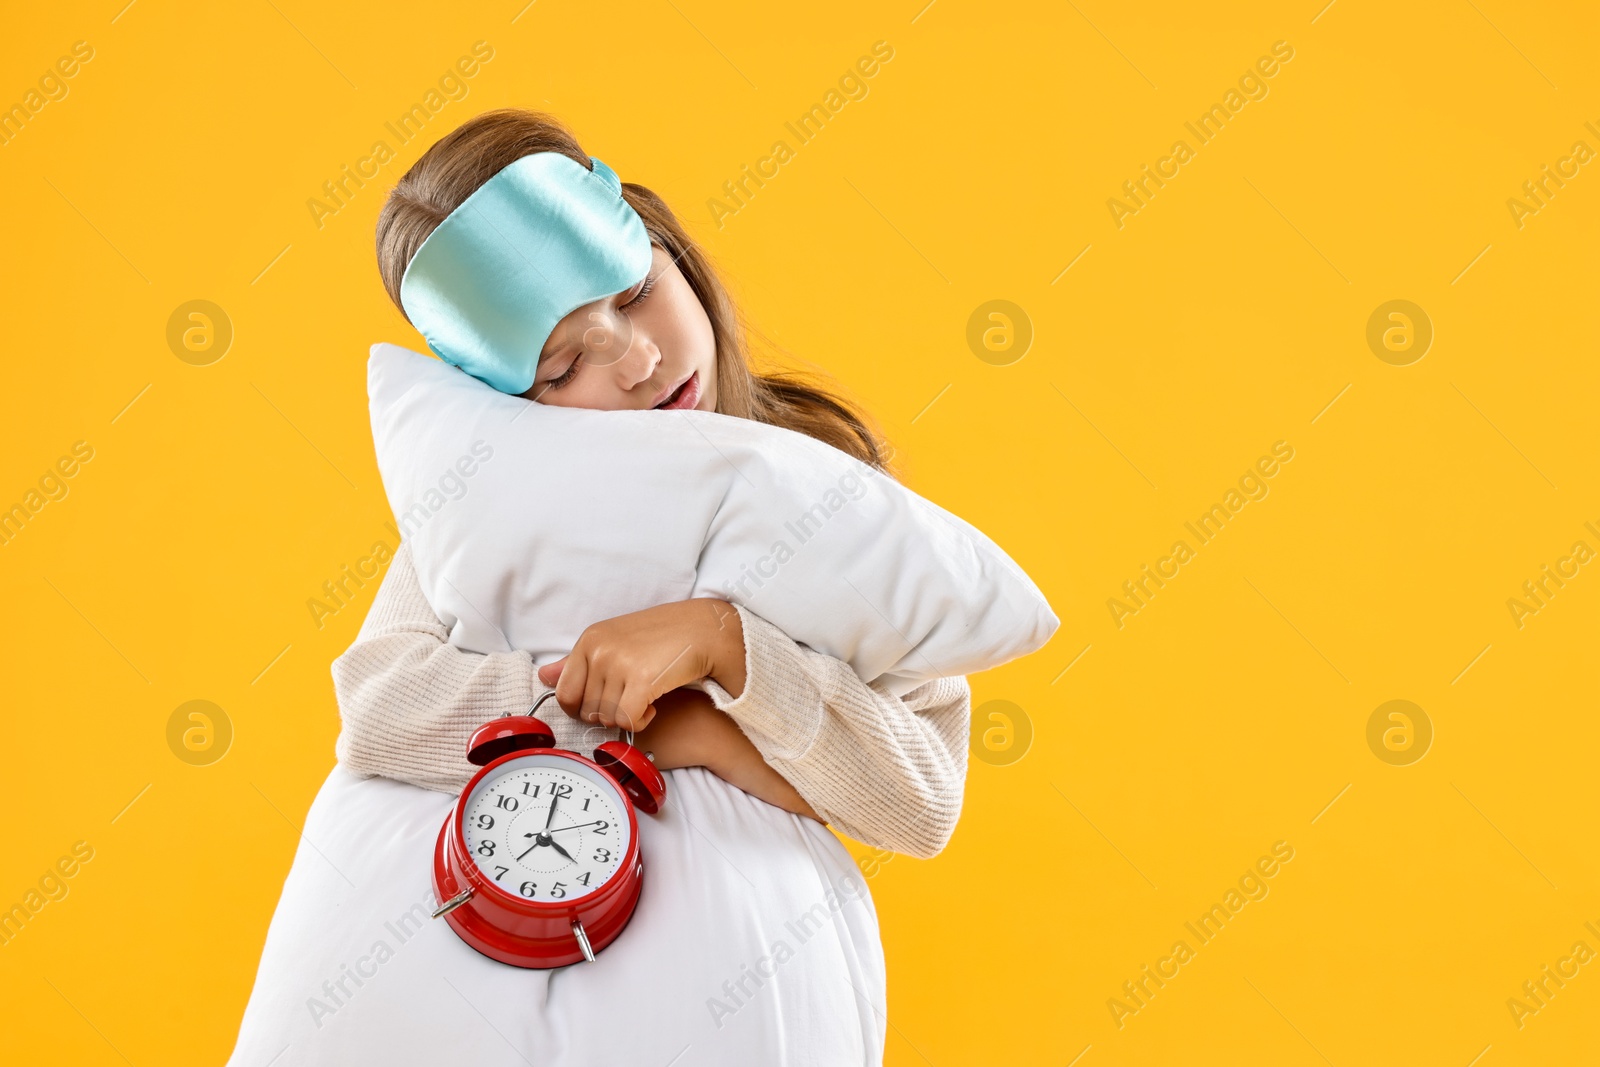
pixel 887 771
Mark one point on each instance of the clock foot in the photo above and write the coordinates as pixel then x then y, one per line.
pixel 453 903
pixel 583 940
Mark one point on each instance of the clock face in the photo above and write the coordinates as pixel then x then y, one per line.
pixel 546 828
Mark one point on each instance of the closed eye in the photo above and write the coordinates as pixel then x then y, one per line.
pixel 644 291
pixel 567 375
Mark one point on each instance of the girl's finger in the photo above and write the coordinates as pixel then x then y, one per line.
pixel 574 679
pixel 550 673
pixel 648 717
pixel 640 710
pixel 594 691
pixel 631 708
pixel 610 703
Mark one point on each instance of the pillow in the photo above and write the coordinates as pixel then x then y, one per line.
pixel 736 892
pixel 529 522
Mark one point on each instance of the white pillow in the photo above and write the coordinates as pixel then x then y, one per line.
pixel 528 522
pixel 736 893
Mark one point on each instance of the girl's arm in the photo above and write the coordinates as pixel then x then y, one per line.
pixel 688 731
pixel 887 771
pixel 409 701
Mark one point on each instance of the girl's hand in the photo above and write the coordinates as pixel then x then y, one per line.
pixel 689 731
pixel 620 666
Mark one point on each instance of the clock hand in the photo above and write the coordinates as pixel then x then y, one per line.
pixel 536 843
pixel 561 850
pixel 579 826
pixel 552 815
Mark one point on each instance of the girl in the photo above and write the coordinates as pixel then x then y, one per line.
pixel 705 683
pixel 795 727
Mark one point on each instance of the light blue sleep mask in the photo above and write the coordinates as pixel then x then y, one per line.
pixel 540 239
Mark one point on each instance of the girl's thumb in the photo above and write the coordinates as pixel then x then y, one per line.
pixel 550 673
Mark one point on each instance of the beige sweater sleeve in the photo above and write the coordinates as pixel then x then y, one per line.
pixel 888 771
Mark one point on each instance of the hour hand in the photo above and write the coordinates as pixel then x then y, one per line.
pixel 561 850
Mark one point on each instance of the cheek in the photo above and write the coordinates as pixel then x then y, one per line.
pixel 704 346
pixel 704 339
pixel 685 327
pixel 590 390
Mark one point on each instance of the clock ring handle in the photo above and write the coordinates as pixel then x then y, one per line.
pixel 538 703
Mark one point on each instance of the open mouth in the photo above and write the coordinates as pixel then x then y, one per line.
pixel 686 395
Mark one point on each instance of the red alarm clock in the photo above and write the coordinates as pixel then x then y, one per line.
pixel 538 863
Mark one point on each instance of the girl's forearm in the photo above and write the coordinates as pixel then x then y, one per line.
pixel 741 766
pixel 688 731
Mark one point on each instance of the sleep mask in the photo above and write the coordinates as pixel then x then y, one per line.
pixel 540 239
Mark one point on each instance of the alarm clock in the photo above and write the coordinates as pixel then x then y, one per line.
pixel 538 863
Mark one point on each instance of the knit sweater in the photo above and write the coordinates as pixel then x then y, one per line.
pixel 887 771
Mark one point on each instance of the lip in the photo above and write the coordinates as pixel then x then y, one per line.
pixel 689 398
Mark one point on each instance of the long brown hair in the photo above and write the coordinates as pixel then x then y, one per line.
pixel 461 161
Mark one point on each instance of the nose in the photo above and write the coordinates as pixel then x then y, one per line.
pixel 639 363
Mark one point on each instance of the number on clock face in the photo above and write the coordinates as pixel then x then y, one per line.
pixel 546 828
